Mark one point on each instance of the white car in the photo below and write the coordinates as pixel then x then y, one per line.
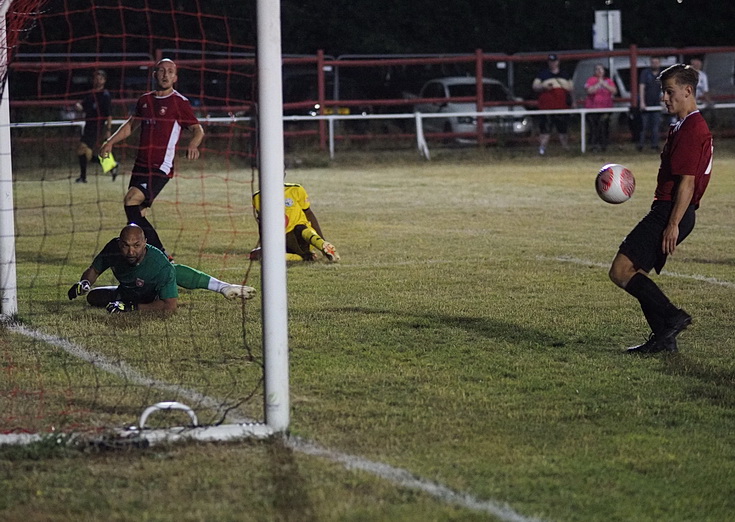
pixel 446 90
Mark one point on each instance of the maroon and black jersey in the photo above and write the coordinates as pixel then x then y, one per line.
pixel 162 119
pixel 687 152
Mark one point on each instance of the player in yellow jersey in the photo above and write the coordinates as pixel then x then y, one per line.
pixel 302 227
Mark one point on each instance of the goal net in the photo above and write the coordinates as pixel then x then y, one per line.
pixel 67 367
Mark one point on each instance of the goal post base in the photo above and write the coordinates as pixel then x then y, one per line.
pixel 145 437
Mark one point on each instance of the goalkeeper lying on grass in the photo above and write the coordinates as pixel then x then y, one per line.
pixel 148 280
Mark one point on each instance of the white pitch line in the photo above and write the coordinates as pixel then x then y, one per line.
pixel 403 478
pixel 397 476
pixel 695 277
pixel 121 369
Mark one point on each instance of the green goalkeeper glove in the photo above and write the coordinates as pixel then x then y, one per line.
pixel 117 307
pixel 77 289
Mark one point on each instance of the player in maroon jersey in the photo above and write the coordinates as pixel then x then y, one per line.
pixel 161 115
pixel 685 170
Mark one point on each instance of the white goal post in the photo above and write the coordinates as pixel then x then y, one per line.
pixel 8 281
pixel 271 169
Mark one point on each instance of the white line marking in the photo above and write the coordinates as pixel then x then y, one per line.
pixel 695 277
pixel 121 369
pixel 403 478
pixel 397 476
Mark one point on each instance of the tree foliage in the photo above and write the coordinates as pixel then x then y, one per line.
pixel 506 26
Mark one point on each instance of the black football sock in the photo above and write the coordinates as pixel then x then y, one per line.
pixel 134 216
pixel 650 296
pixel 82 166
pixel 656 321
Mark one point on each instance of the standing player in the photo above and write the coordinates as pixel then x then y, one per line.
pixel 97 107
pixel 686 166
pixel 161 115
pixel 302 227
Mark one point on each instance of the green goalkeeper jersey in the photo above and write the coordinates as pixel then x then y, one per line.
pixel 153 278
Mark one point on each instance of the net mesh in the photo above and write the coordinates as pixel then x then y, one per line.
pixel 19 18
pixel 68 366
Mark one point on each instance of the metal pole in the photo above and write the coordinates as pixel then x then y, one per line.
pixel 273 240
pixel 8 279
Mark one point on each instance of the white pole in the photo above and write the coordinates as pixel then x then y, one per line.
pixel 273 237
pixel 8 281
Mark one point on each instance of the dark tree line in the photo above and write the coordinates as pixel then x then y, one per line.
pixel 506 26
pixel 410 26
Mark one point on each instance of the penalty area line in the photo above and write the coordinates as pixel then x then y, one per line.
pixel 397 476
pixel 694 277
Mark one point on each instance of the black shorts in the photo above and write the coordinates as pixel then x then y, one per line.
pixel 643 245
pixel 149 182
pixel 296 244
pixel 559 121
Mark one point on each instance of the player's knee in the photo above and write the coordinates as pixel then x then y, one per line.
pixel 133 197
pixel 618 275
pixel 100 296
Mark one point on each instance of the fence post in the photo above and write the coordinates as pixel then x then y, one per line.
pixel 321 87
pixel 634 75
pixel 479 77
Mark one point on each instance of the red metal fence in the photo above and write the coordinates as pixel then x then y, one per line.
pixel 320 84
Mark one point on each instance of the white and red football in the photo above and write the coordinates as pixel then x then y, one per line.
pixel 615 183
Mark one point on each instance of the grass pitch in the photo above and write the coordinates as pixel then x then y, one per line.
pixel 470 336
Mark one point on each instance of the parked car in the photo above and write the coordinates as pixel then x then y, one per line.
pixel 450 88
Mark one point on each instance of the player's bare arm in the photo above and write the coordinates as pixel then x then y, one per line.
pixel 313 220
pixel 122 133
pixel 684 193
pixel 91 275
pixel 84 285
pixel 192 151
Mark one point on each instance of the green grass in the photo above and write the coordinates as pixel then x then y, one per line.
pixel 470 335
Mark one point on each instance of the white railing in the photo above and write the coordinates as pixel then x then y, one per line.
pixel 418 118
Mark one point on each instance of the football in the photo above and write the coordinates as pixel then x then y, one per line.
pixel 615 183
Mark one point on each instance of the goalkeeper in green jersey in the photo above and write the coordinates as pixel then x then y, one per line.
pixel 148 280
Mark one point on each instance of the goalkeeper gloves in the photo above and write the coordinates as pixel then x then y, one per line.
pixel 118 307
pixel 80 288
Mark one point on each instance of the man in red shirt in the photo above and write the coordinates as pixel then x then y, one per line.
pixel 685 170
pixel 161 115
pixel 554 90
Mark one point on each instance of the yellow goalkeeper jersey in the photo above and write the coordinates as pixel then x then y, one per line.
pixel 296 202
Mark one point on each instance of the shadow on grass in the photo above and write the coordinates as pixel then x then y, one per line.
pixel 706 381
pixel 290 498
pixel 513 333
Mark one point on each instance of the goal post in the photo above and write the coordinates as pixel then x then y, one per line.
pixel 8 282
pixel 275 307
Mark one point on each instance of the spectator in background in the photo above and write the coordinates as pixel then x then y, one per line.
pixel 703 98
pixel 704 101
pixel 554 90
pixel 97 108
pixel 600 91
pixel 649 97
